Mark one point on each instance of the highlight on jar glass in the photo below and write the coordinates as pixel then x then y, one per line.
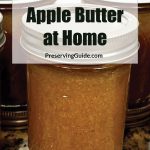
pixel 139 89
pixel 13 89
pixel 78 104
pixel 2 35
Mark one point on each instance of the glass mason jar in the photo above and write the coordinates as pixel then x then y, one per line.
pixel 14 79
pixel 139 88
pixel 14 93
pixel 139 91
pixel 77 107
pixel 2 42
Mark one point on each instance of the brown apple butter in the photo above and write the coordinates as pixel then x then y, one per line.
pixel 77 108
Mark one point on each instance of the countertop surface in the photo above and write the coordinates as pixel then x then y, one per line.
pixel 135 139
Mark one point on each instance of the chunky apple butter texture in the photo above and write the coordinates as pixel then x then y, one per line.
pixel 77 108
pixel 13 76
pixel 139 90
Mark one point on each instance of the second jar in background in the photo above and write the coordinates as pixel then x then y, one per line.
pixel 14 93
pixel 139 87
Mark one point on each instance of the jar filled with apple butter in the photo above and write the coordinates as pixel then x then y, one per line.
pixel 78 106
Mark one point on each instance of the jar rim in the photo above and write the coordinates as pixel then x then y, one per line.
pixel 84 67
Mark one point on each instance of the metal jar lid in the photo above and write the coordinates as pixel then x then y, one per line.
pixel 122 45
pixel 138 117
pixel 14 118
